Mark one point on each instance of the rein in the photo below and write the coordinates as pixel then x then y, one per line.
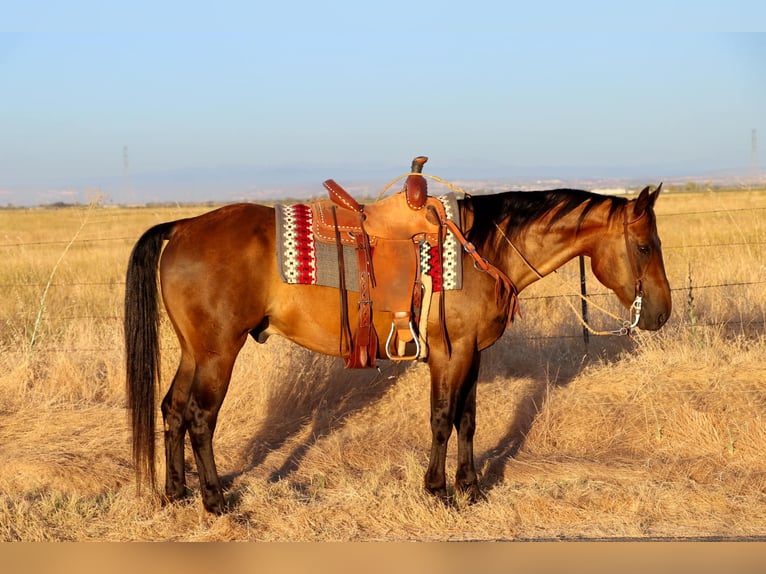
pixel 635 307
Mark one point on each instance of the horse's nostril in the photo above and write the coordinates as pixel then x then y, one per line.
pixel 661 318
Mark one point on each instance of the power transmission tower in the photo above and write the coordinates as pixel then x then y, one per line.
pixel 126 173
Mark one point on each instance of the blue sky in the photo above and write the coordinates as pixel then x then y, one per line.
pixel 214 103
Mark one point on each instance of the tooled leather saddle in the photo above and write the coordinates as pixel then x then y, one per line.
pixel 387 236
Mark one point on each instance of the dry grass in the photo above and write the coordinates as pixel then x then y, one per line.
pixel 660 436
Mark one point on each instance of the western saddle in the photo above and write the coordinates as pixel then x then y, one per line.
pixel 387 236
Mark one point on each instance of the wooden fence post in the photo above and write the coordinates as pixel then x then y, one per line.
pixel 584 292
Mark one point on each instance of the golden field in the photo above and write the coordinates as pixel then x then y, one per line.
pixel 656 436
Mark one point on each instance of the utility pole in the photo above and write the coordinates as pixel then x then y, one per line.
pixel 126 173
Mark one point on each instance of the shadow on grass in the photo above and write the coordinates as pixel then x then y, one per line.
pixel 321 395
pixel 318 398
pixel 549 364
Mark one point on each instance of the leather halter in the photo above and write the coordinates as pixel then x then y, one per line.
pixel 638 277
pixel 631 257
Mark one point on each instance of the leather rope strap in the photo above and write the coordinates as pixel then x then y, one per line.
pixel 365 346
pixel 345 325
pixel 633 265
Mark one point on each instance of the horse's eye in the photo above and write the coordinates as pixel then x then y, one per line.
pixel 644 249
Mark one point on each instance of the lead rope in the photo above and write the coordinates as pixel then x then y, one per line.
pixel 627 325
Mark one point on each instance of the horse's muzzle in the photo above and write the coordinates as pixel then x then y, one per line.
pixel 653 321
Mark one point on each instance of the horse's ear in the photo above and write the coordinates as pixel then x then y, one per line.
pixel 646 200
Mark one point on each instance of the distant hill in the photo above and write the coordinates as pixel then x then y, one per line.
pixel 247 183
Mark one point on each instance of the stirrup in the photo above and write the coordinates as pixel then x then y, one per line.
pixel 395 356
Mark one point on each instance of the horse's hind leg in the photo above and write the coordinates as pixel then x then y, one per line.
pixel 192 403
pixel 211 382
pixel 174 416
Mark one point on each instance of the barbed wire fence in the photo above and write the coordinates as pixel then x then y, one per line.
pixel 576 333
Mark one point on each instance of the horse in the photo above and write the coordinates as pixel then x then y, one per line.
pixel 219 282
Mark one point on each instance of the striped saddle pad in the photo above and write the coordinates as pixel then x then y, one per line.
pixel 304 260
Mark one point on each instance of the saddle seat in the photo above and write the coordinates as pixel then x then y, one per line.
pixel 387 236
pixel 390 218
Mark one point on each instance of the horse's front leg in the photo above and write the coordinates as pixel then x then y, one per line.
pixel 466 478
pixel 448 377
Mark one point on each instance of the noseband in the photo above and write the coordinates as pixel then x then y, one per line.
pixel 639 291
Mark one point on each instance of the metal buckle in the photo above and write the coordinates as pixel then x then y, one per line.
pixel 628 325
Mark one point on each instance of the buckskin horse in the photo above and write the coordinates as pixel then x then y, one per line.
pixel 220 283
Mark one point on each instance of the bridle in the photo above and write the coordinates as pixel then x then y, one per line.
pixel 638 277
pixel 635 307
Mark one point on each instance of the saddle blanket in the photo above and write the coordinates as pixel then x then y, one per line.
pixel 304 260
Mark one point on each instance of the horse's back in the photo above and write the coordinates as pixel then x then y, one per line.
pixel 219 241
pixel 235 222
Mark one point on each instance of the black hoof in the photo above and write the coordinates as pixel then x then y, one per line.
pixel 175 495
pixel 214 504
pixel 439 493
pixel 472 493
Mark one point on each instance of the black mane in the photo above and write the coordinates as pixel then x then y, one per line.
pixel 524 207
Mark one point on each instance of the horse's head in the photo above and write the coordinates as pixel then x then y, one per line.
pixel 629 261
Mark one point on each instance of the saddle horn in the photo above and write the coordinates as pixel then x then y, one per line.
pixel 417 164
pixel 415 187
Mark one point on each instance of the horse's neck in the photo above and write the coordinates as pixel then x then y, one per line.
pixel 541 251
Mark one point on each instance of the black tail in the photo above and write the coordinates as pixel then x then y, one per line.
pixel 142 349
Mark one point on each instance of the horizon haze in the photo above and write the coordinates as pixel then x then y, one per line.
pixel 100 99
